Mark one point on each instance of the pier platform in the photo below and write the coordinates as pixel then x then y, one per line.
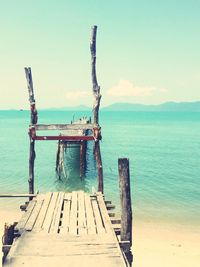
pixel 66 229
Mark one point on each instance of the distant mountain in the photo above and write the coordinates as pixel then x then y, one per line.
pixel 75 108
pixel 167 106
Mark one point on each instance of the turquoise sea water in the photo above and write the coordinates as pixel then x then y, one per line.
pixel 164 153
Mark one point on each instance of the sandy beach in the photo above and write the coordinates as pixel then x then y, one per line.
pixel 154 244
pixel 159 244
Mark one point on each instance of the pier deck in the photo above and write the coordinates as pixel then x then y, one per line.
pixel 66 229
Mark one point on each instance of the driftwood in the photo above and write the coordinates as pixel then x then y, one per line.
pixel 96 87
pixel 33 120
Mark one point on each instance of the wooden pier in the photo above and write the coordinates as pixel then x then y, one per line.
pixel 71 228
pixel 68 229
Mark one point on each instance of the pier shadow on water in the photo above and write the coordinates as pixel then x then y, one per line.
pixel 70 178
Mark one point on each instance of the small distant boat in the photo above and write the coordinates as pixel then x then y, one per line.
pixel 21 109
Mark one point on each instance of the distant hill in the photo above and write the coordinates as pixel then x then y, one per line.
pixel 167 106
pixel 75 108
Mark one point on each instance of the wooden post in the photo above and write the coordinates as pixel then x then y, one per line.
pixel 7 239
pixel 81 159
pixel 96 87
pixel 126 209
pixel 33 121
pixel 99 166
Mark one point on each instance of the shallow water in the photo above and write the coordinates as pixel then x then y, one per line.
pixel 164 153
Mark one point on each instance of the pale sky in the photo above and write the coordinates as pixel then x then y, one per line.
pixel 147 51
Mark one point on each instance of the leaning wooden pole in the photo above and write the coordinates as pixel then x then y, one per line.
pixel 126 209
pixel 33 121
pixel 97 98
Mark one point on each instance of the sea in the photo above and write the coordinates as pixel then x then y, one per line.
pixel 163 149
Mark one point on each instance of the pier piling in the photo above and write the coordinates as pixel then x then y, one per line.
pixel 126 209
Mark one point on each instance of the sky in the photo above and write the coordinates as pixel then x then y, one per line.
pixel 147 51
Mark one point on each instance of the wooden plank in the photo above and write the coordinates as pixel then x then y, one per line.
pixel 64 228
pixel 78 126
pixel 91 227
pixel 73 214
pixel 98 220
pixel 104 213
pixel 57 213
pixel 43 211
pixel 110 206
pixel 21 224
pixel 82 227
pixel 34 215
pixel 115 220
pixel 49 216
pixel 63 261
pixel 106 219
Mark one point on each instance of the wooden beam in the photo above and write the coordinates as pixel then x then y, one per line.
pixel 125 196
pixel 18 195
pixel 96 87
pixel 44 127
pixel 63 137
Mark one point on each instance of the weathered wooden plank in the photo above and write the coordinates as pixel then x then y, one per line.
pixel 98 219
pixel 110 206
pixel 57 213
pixel 86 126
pixel 106 219
pixel 43 211
pixel 104 213
pixel 73 261
pixel 21 224
pixel 111 214
pixel 64 228
pixel 91 227
pixel 34 215
pixel 61 249
pixel 73 214
pixel 115 220
pixel 49 216
pixel 82 227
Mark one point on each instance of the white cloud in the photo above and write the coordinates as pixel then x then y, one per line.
pixel 77 95
pixel 127 89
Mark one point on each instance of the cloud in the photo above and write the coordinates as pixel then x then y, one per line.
pixel 127 89
pixel 76 95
